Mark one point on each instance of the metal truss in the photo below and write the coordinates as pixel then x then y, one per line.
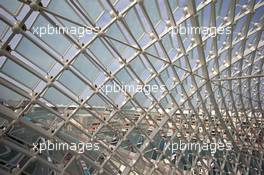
pixel 50 86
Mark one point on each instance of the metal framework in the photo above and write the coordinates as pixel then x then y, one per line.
pixel 50 86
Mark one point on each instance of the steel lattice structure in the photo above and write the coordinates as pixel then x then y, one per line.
pixel 51 86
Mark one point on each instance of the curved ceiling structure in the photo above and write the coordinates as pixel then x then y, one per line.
pixel 137 81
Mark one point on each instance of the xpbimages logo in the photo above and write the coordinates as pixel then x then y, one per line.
pixel 201 30
pixel 204 146
pixel 132 88
pixel 79 147
pixel 80 31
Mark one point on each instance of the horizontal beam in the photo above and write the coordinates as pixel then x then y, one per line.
pixel 240 77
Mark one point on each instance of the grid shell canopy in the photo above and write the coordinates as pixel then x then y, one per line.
pixel 67 69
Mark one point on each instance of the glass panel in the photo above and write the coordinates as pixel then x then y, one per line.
pixel 51 36
pixel 57 98
pixel 64 9
pixel 101 52
pixel 86 67
pixel 3 28
pixel 152 10
pixel 11 5
pixel 133 23
pixel 8 97
pixel 36 55
pixel 93 8
pixel 75 84
pixel 19 73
